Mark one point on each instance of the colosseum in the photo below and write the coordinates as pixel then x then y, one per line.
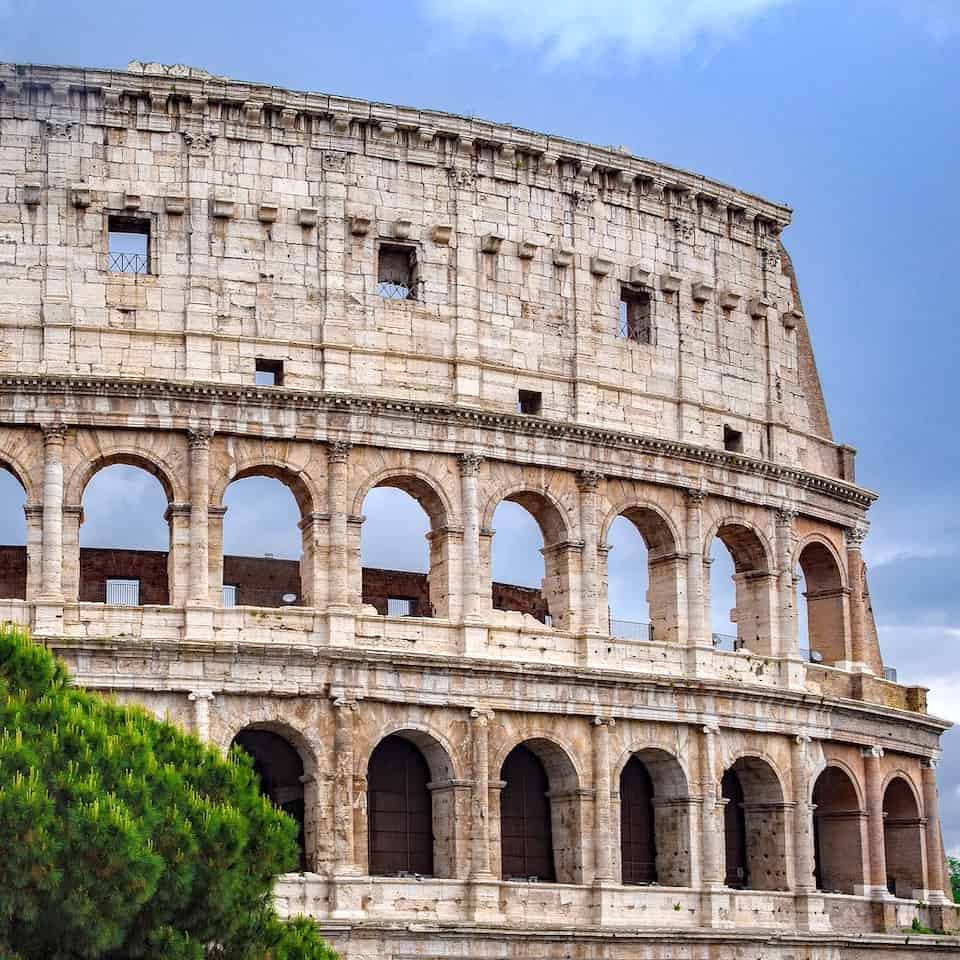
pixel 213 280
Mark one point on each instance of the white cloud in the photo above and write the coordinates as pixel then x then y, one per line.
pixel 566 29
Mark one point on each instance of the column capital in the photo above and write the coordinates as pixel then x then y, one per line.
pixel 54 433
pixel 196 695
pixel 481 716
pixel 710 729
pixel 695 498
pixel 469 464
pixel 930 763
pixel 343 703
pixel 589 479
pixel 199 438
pixel 786 515
pixel 855 536
pixel 872 753
pixel 338 450
pixel 599 721
pixel 803 740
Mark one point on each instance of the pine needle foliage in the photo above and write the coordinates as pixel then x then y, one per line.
pixel 123 838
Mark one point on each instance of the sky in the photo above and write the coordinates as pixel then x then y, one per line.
pixel 845 111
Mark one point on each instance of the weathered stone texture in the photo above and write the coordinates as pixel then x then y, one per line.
pixel 268 211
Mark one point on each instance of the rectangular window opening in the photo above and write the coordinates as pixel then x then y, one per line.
pixel 229 595
pixel 399 607
pixel 635 317
pixel 129 244
pixel 732 440
pixel 529 402
pixel 124 593
pixel 397 272
pixel 268 373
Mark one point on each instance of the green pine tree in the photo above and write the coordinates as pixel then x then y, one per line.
pixel 123 838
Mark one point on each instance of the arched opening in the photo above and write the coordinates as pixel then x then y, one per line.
pixel 823 611
pixel 654 820
pixel 13 538
pixel 400 810
pixel 280 770
pixel 539 815
pixel 638 843
pixel 739 570
pixel 405 548
pixel 837 840
pixel 754 825
pixel 902 840
pixel 642 577
pixel 125 537
pixel 523 525
pixel 262 542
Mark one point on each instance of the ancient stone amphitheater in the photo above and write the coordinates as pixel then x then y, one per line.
pixel 215 280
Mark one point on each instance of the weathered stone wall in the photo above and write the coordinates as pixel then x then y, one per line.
pixel 267 211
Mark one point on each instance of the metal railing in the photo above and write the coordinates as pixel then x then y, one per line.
pixel 124 593
pixel 128 263
pixel 631 630
pixel 726 641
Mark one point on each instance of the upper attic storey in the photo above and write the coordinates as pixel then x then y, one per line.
pixel 174 225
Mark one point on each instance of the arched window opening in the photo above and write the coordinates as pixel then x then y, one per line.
pixel 525 524
pixel 400 836
pixel 822 610
pixel 902 840
pixel 280 770
pixel 837 841
pixel 125 537
pixel 755 826
pixel 655 825
pixel 734 832
pixel 405 565
pixel 643 577
pixel 13 538
pixel 262 545
pixel 540 815
pixel 739 572
pixel 637 835
pixel 526 831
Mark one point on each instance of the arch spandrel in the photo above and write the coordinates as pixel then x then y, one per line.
pixel 21 455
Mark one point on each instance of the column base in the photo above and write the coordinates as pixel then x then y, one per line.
pixel 473 638
pixel 346 896
pixel 810 912
pixel 341 626
pixel 716 908
pixel 48 617
pixel 483 900
pixel 198 623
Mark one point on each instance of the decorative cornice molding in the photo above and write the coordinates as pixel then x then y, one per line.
pixel 273 397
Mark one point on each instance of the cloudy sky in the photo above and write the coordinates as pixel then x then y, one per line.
pixel 846 111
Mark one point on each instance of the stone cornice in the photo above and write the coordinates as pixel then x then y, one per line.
pixel 471 417
pixel 198 103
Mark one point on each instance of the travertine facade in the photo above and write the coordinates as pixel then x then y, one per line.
pixel 791 806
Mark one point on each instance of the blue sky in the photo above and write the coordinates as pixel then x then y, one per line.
pixel 846 111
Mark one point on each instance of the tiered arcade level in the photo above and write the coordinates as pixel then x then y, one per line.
pixel 215 280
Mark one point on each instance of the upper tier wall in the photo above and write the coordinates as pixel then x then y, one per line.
pixel 267 211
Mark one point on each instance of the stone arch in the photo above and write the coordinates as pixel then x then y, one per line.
pixel 169 477
pixel 664 817
pixel 438 750
pixel 282 772
pixel 552 827
pixel 15 466
pixel 839 821
pixel 425 801
pixel 903 842
pixel 754 824
pixel 665 570
pixel 755 610
pixel 561 568
pixel 438 596
pixel 309 751
pixel 826 598
pixel 295 480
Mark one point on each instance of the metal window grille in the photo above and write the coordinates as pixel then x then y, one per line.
pixel 396 273
pixel 631 630
pixel 634 318
pixel 129 244
pixel 229 595
pixel 726 641
pixel 890 673
pixel 399 607
pixel 124 593
pixel 128 263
